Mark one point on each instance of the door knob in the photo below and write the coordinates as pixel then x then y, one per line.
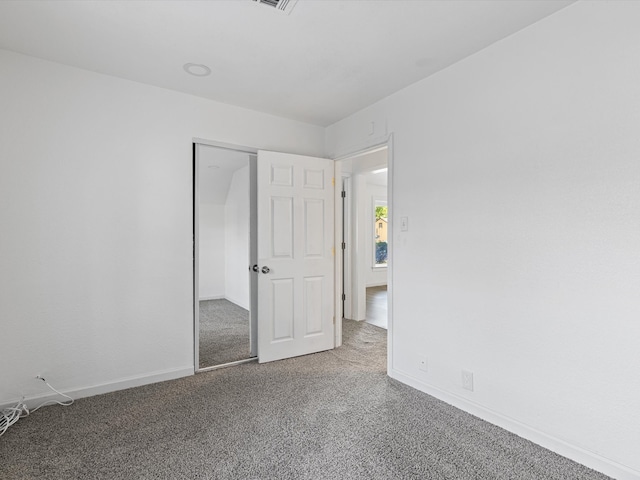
pixel 266 269
pixel 254 268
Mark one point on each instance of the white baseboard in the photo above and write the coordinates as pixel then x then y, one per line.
pixel 235 302
pixel 124 383
pixel 224 297
pixel 215 297
pixel 585 457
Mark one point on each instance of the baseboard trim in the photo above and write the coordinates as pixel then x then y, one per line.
pixel 235 302
pixel 107 387
pixel 578 454
pixel 223 297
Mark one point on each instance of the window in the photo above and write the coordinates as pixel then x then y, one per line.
pixel 380 223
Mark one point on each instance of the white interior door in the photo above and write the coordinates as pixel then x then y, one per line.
pixel 295 255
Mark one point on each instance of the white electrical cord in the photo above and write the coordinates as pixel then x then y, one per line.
pixel 66 403
pixel 10 415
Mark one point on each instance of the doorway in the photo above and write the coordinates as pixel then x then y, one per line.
pixel 366 236
pixel 224 332
pixel 283 267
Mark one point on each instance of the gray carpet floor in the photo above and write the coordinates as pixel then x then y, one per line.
pixel 331 415
pixel 224 333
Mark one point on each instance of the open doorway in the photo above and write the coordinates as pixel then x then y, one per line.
pixel 366 237
pixel 222 216
pixel 376 304
pixel 275 204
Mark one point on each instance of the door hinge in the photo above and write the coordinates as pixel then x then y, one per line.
pixel 344 297
pixel 344 246
pixel 333 181
pixel 344 194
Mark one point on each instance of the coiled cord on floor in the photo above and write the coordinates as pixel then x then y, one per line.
pixel 10 415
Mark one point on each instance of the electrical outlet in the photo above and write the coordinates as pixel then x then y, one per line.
pixel 467 380
pixel 422 362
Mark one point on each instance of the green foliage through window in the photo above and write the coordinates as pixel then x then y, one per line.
pixel 381 212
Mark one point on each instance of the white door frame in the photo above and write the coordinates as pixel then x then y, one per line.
pixel 347 239
pixel 196 259
pixel 362 149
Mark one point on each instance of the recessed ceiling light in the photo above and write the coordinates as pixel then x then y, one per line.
pixel 197 69
pixel 380 170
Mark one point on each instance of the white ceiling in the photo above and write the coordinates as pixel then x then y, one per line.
pixel 324 61
pixel 216 168
pixel 379 178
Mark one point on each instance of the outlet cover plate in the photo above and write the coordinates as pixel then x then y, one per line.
pixel 422 362
pixel 467 380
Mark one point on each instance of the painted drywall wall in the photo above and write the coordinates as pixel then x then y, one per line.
pixel 236 266
pixel 518 170
pixel 219 246
pixel 96 249
pixel 212 251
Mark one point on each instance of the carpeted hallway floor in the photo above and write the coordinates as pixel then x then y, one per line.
pixel 331 415
pixel 224 333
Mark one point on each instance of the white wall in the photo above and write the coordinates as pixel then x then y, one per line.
pixel 96 284
pixel 236 263
pixel 212 251
pixel 519 168
pixel 358 250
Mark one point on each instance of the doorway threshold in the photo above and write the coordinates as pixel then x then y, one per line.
pixel 225 365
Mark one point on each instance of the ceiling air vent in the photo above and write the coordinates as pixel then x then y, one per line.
pixel 284 6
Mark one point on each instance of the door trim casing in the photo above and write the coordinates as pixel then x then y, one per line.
pixel 195 141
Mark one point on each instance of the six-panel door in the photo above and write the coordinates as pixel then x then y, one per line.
pixel 295 244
